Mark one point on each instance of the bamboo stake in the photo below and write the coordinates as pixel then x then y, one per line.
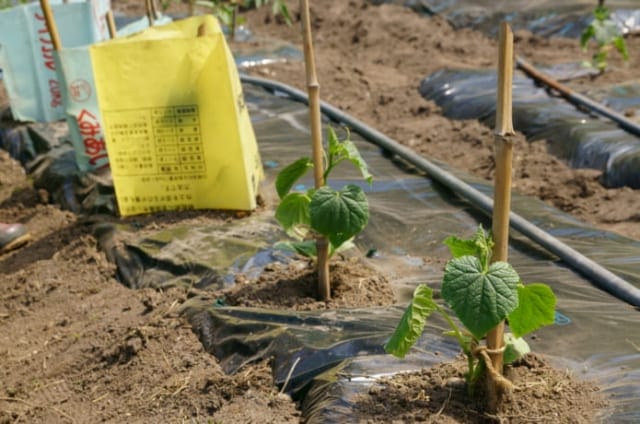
pixel 234 20
pixel 313 89
pixel 154 11
pixel 111 24
pixel 502 195
pixel 147 4
pixel 51 24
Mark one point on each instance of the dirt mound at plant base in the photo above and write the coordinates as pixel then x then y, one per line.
pixel 439 395
pixel 353 284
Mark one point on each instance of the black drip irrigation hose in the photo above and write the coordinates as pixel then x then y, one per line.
pixel 598 275
pixel 578 99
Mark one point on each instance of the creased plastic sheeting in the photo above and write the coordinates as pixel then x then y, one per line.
pixel 585 141
pixel 595 334
pixel 329 353
pixel 48 156
pixel 195 256
pixel 567 18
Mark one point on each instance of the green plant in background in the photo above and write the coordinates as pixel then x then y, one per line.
pixel 481 294
pixel 338 215
pixel 278 7
pixel 604 31
pixel 226 10
pixel 5 4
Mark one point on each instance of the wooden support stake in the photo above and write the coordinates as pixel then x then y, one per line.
pixel 147 5
pixel 154 11
pixel 502 194
pixel 234 20
pixel 313 89
pixel 192 7
pixel 51 24
pixel 111 24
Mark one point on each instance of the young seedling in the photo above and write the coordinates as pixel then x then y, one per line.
pixel 604 31
pixel 227 10
pixel 481 294
pixel 337 215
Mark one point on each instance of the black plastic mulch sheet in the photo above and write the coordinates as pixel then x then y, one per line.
pixel 566 18
pixel 333 355
pixel 584 140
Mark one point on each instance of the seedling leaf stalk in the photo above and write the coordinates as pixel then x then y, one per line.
pixel 479 285
pixel 481 295
pixel 337 215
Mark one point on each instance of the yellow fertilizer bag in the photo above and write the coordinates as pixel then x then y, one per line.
pixel 177 130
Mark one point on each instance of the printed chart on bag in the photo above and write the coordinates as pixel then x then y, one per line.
pixel 159 147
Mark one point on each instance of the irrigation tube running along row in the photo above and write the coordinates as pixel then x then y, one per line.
pixel 600 276
pixel 578 99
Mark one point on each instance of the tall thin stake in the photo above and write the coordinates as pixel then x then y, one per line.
pixel 111 24
pixel 154 11
pixel 502 195
pixel 51 24
pixel 147 5
pixel 313 89
pixel 234 20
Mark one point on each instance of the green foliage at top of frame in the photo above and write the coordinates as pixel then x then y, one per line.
pixel 6 4
pixel 481 294
pixel 338 215
pixel 607 36
pixel 225 9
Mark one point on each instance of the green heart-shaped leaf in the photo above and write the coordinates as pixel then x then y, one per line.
pixel 480 299
pixel 536 308
pixel 293 212
pixel 292 173
pixel 339 215
pixel 460 247
pixel 346 149
pixel 412 323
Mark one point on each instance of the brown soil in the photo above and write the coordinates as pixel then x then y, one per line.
pixel 439 394
pixel 77 346
pixel 371 59
pixel 294 286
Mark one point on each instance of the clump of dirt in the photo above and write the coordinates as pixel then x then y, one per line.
pixel 294 286
pixel 439 395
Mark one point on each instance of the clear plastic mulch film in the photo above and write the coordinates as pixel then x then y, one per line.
pixel 338 353
pixel 583 139
pixel 334 354
pixel 546 18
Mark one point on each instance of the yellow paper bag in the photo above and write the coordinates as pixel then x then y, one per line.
pixel 177 130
